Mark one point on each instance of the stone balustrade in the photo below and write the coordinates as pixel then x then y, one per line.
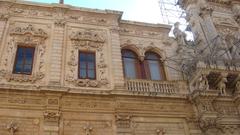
pixel 161 87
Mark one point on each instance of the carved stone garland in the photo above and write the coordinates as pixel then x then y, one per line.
pixel 87 40
pixel 30 37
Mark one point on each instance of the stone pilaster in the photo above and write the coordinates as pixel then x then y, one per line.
pixel 3 22
pixel 57 53
pixel 52 114
pixel 124 124
pixel 116 59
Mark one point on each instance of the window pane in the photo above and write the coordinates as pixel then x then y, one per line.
pixel 83 57
pixel 24 59
pixel 91 57
pixel 28 59
pixel 83 64
pixel 91 65
pixel 87 65
pixel 129 54
pixel 83 73
pixel 27 69
pixel 18 68
pixel 130 69
pixel 19 60
pixel 29 51
pixel 152 56
pixel 91 74
pixel 154 70
pixel 20 52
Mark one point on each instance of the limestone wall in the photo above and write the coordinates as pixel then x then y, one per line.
pixel 56 56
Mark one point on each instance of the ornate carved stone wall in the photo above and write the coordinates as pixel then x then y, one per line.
pixel 213 71
pixel 54 101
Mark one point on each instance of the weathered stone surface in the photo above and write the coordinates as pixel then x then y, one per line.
pixel 200 96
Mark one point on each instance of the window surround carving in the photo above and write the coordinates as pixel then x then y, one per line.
pixel 27 36
pixel 92 41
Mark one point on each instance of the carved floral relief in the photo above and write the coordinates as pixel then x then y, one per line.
pixel 87 40
pixel 30 36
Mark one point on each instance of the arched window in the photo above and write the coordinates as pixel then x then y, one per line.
pixel 131 64
pixel 153 66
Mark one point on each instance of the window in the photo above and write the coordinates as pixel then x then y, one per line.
pixel 154 67
pixel 24 60
pixel 87 66
pixel 131 65
pixel 151 68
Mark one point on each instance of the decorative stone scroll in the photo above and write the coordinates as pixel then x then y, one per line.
pixel 4 17
pixel 52 116
pixel 88 129
pixel 89 40
pixel 22 78
pixel 160 131
pixel 12 127
pixel 25 36
pixel 206 124
pixel 123 120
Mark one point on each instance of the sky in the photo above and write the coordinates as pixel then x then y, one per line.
pixel 135 10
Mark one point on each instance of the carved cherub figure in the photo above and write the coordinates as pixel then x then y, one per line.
pixel 179 35
pixel 222 86
pixel 203 83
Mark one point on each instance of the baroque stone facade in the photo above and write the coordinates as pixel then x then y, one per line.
pixel 200 96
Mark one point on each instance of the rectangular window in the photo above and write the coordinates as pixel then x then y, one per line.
pixel 24 60
pixel 87 66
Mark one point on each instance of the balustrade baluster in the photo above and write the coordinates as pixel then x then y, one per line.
pixel 152 86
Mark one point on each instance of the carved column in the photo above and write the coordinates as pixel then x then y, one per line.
pixel 57 52
pixel 116 59
pixel 207 24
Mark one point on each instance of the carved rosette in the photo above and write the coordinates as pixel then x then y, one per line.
pixel 87 40
pixel 25 36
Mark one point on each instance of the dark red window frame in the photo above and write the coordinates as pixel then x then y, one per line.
pixel 24 60
pixel 86 68
pixel 142 67
pixel 160 65
pixel 137 63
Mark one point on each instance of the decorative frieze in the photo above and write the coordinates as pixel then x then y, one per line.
pixel 91 127
pixel 140 33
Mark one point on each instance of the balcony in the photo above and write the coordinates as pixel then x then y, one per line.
pixel 156 87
